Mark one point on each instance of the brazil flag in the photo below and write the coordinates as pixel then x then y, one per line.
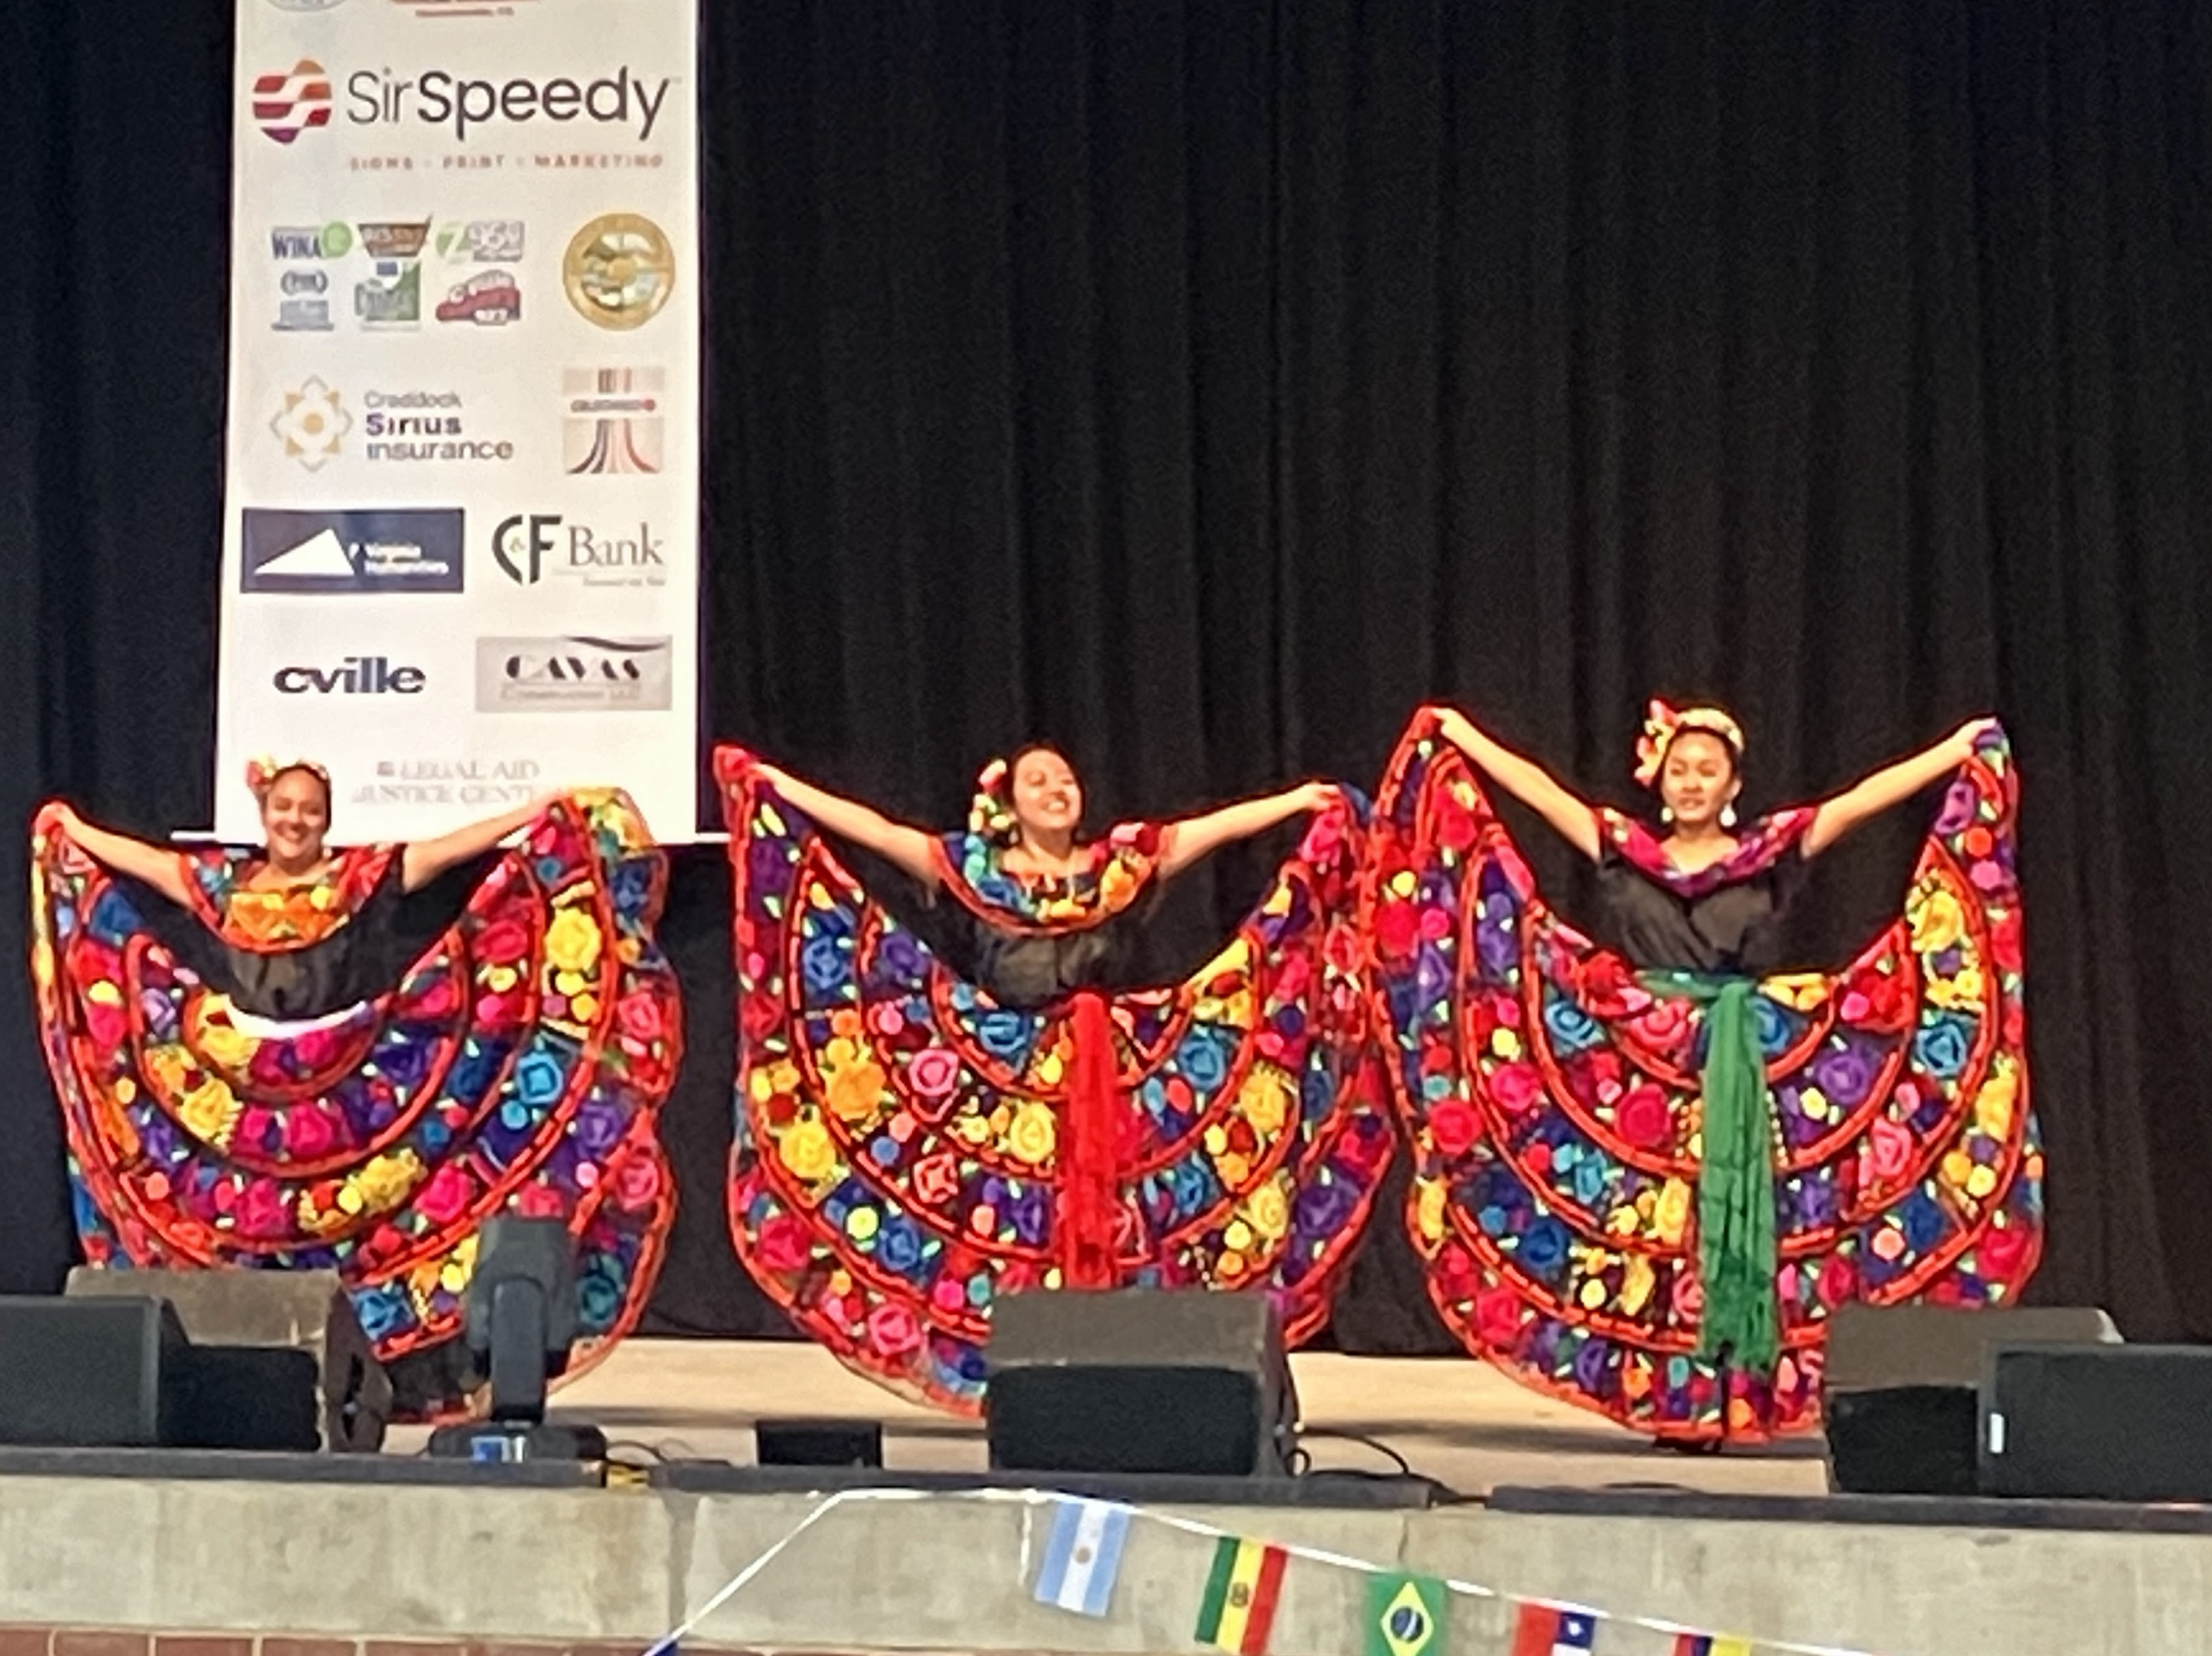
pixel 1405 1615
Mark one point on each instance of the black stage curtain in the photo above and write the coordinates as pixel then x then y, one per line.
pixel 1205 386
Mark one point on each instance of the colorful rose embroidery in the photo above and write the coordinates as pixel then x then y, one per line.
pixel 516 1067
pixel 1551 1103
pixel 887 1213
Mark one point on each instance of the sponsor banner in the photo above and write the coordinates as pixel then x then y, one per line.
pixel 461 555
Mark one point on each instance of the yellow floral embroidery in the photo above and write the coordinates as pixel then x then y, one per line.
pixel 1800 991
pixel 857 1091
pixel 458 1267
pixel 1117 884
pixel 1636 1284
pixel 1032 1133
pixel 1269 1211
pixel 1934 917
pixel 215 1038
pixel 572 942
pixel 1995 1103
pixel 209 1112
pixel 1961 992
pixel 385 1183
pixel 806 1149
pixel 1265 1100
pixel 1429 1211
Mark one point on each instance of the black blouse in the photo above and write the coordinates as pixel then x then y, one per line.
pixel 1029 971
pixel 1722 919
pixel 1027 944
pixel 357 961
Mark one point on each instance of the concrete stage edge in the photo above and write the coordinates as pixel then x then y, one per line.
pixel 1735 1547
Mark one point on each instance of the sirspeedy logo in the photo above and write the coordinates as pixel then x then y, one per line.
pixel 287 102
pixel 438 97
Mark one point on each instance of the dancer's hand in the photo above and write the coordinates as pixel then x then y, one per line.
pixel 1313 796
pixel 1456 727
pixel 1967 737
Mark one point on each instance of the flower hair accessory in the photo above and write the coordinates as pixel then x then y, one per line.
pixel 1662 724
pixel 991 811
pixel 263 769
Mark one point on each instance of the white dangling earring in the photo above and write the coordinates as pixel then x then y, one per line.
pixel 1667 814
pixel 1728 816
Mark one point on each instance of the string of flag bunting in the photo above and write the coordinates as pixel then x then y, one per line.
pixel 1406 1614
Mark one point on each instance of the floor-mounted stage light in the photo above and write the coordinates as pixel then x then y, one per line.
pixel 521 1319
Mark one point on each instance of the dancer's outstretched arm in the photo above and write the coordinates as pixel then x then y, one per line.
pixel 1184 842
pixel 908 847
pixel 163 870
pixel 1891 785
pixel 1526 781
pixel 425 859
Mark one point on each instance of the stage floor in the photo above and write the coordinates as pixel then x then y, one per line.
pixel 1453 1420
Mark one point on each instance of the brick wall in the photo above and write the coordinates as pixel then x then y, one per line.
pixel 97 1641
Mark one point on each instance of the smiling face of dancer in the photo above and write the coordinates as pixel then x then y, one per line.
pixel 1698 782
pixel 1047 802
pixel 295 816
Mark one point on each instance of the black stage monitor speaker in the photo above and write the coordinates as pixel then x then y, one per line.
pixel 1901 1390
pixel 84 1374
pixel 818 1443
pixel 1139 1380
pixel 2099 1422
pixel 305 1311
pixel 120 1372
pixel 242 1397
pixel 1903 1440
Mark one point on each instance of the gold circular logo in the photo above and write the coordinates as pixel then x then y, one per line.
pixel 618 270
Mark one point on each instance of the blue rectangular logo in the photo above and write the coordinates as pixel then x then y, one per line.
pixel 383 550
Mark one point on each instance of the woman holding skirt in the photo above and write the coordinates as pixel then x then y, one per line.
pixel 923 1126
pixel 256 1070
pixel 1645 1174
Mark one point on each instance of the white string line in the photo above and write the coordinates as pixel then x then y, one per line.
pixel 1028 1500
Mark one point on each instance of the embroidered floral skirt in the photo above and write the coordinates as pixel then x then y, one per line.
pixel 907 1150
pixel 1552 1103
pixel 516 1068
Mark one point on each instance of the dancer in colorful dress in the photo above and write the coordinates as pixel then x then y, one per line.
pixel 923 1127
pixel 1644 1174
pixel 261 1076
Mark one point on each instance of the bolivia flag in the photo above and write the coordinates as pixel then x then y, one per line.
pixel 1240 1596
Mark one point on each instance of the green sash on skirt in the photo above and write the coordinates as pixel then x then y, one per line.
pixel 1737 1253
